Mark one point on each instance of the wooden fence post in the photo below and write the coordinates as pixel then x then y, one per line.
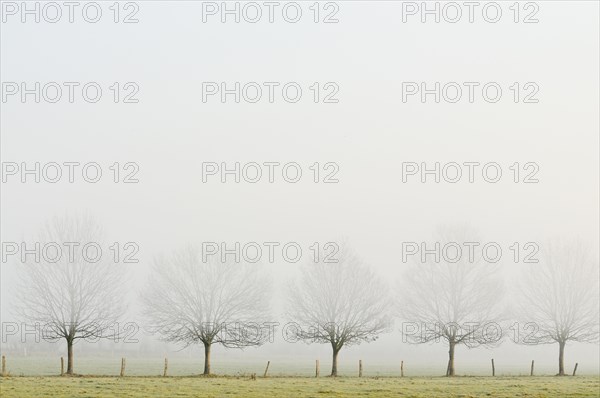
pixel 575 370
pixel 62 366
pixel 402 369
pixel 317 369
pixel 122 367
pixel 532 362
pixel 360 368
pixel 166 366
pixel 3 365
pixel 267 368
pixel 493 368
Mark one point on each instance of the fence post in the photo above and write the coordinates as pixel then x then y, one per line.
pixel 166 366
pixel 493 368
pixel 122 367
pixel 575 370
pixel 267 368
pixel 402 369
pixel 317 369
pixel 360 368
pixel 62 366
pixel 3 365
pixel 532 362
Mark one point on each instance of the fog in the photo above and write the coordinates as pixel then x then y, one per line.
pixel 371 136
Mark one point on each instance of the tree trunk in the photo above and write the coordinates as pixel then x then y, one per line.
pixel 561 358
pixel 69 356
pixel 450 370
pixel 206 358
pixel 334 372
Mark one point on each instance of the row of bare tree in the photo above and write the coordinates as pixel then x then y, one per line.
pixel 187 301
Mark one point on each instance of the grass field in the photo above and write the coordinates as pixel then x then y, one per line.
pixel 548 386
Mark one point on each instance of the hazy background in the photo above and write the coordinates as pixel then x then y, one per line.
pixel 369 133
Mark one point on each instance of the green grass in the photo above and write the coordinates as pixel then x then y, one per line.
pixel 538 387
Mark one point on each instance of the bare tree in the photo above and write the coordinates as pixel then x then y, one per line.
pixel 559 297
pixel 341 304
pixel 456 297
pixel 188 301
pixel 68 288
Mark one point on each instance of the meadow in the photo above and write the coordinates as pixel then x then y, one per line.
pixel 246 386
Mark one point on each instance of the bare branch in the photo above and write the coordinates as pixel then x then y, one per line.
pixel 342 303
pixel 188 301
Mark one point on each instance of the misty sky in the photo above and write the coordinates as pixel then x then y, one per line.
pixel 369 133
